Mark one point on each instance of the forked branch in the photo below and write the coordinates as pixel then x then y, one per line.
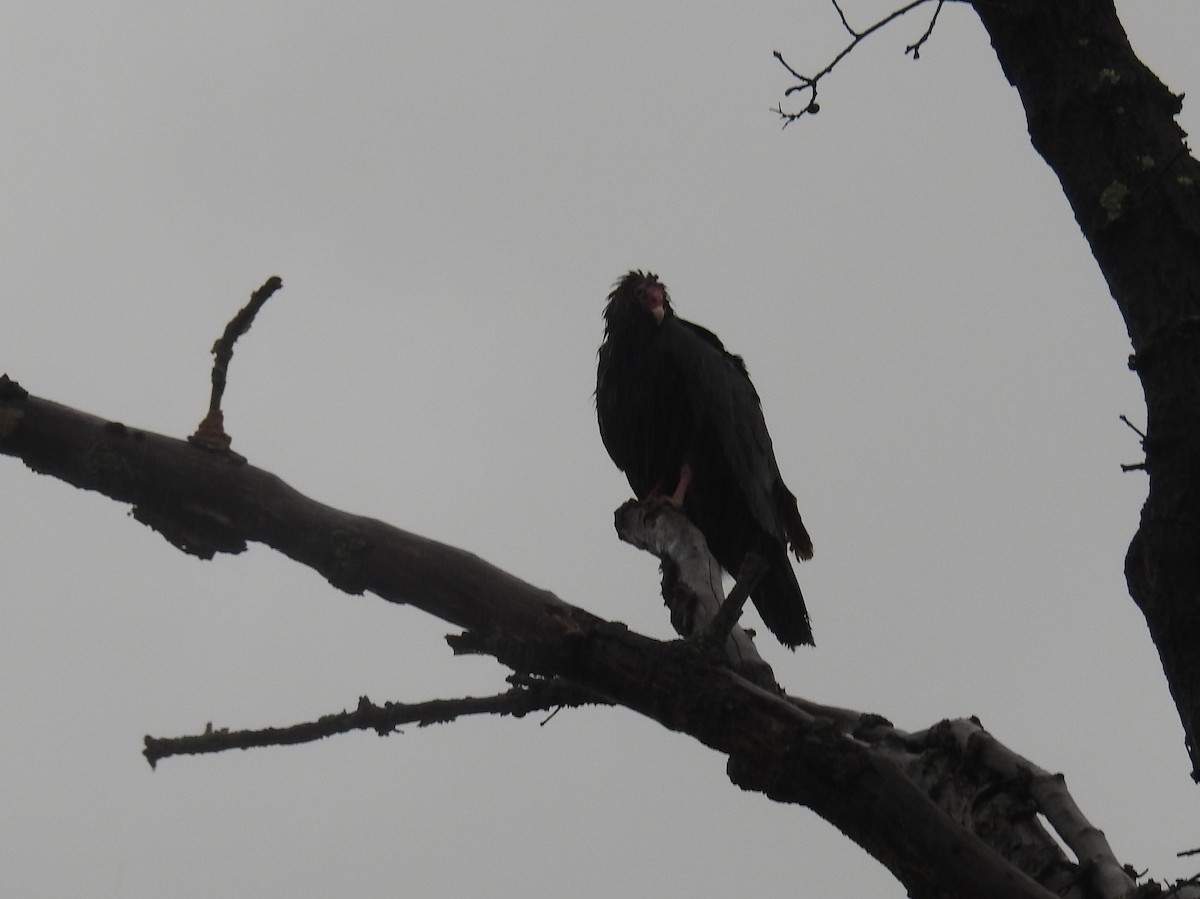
pixel 804 92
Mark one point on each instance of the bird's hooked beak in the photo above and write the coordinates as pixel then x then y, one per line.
pixel 654 299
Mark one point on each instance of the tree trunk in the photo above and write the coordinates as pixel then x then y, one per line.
pixel 1106 125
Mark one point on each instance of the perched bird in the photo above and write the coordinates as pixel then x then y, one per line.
pixel 679 416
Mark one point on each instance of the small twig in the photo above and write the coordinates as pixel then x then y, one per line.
pixel 211 432
pixel 842 16
pixel 1186 852
pixel 718 630
pixel 1133 428
pixel 525 696
pixel 915 48
pixel 1136 466
pixel 808 83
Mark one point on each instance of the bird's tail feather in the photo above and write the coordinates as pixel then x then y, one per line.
pixel 793 527
pixel 781 604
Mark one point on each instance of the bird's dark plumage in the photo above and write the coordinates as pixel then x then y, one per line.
pixel 679 416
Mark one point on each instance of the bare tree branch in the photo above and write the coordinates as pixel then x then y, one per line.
pixel 716 631
pixel 211 432
pixel 806 86
pixel 915 47
pixel 852 769
pixel 530 695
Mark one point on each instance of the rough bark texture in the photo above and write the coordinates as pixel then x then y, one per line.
pixel 859 778
pixel 1105 124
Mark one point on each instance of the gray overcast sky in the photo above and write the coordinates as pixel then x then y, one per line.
pixel 448 191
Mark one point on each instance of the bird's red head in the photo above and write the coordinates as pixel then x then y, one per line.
pixel 653 297
pixel 648 292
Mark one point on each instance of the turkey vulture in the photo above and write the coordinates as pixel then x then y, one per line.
pixel 679 416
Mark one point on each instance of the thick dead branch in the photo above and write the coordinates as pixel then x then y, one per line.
pixel 852 769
